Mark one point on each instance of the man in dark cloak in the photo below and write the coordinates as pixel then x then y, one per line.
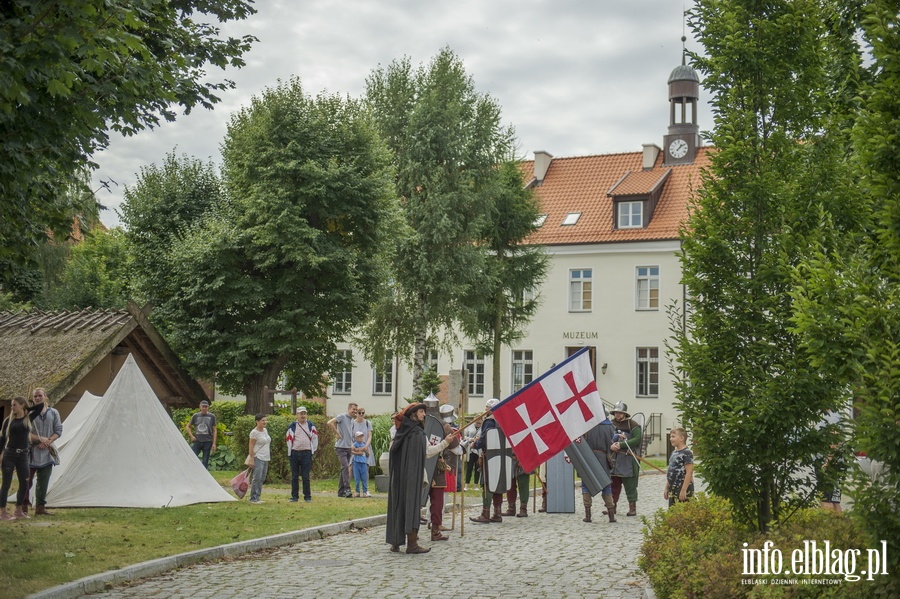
pixel 407 469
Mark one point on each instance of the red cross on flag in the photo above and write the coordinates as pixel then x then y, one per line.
pixel 542 418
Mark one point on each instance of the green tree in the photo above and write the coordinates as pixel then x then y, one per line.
pixel 75 69
pixel 165 203
pixel 287 263
pixel 744 384
pixel 447 140
pixel 96 274
pixel 512 270
pixel 846 307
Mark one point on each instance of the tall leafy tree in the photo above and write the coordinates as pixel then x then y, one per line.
pixel 163 206
pixel 513 270
pixel 846 306
pixel 447 141
pixel 744 384
pixel 75 69
pixel 287 263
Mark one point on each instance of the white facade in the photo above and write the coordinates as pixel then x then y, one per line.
pixel 623 323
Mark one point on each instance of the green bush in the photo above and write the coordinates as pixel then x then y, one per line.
pixel 227 412
pixel 679 542
pixel 695 550
pixel 325 461
pixel 381 438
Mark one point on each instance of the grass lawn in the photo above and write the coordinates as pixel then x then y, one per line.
pixel 76 542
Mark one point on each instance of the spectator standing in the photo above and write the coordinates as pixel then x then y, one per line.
pixel 302 442
pixel 342 425
pixel 203 432
pixel 259 454
pixel 361 464
pixel 48 425
pixel 470 433
pixel 17 433
pixel 680 473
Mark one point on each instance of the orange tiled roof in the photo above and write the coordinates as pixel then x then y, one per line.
pixel 583 184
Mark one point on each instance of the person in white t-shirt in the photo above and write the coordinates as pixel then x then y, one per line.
pixel 259 456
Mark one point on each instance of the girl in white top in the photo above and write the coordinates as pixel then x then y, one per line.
pixel 259 456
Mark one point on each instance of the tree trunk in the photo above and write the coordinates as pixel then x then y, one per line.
pixel 419 351
pixel 497 345
pixel 257 402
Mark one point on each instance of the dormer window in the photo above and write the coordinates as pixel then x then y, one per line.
pixel 630 215
pixel 571 218
pixel 539 221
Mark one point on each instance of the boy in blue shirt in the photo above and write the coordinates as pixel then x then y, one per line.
pixel 360 464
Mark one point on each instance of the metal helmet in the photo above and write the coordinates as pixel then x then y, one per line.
pixel 447 413
pixel 621 407
pixel 431 401
pixel 489 404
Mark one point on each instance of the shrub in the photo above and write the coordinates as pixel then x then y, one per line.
pixel 381 438
pixel 325 462
pixel 681 539
pixel 227 412
pixel 695 550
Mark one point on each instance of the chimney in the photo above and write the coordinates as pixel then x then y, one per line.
pixel 651 153
pixel 542 162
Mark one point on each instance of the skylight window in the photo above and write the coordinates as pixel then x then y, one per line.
pixel 571 218
pixel 539 221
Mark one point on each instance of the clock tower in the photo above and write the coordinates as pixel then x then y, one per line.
pixel 680 144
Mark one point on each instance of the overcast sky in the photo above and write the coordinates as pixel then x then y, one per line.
pixel 574 77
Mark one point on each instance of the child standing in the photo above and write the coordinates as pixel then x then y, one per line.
pixel 680 474
pixel 360 464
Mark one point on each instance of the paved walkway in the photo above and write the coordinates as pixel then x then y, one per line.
pixel 544 555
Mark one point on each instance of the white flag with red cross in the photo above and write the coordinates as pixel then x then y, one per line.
pixel 542 418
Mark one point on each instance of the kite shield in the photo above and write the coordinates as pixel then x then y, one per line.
pixel 498 462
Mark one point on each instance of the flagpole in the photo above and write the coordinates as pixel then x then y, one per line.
pixel 482 415
pixel 637 457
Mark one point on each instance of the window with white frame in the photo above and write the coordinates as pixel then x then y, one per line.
pixel 539 221
pixel 343 381
pixel 648 371
pixel 580 293
pixel 631 215
pixel 473 361
pixel 383 376
pixel 571 219
pixel 522 368
pixel 647 288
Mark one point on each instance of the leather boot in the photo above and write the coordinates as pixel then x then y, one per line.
pixel 484 518
pixel 436 533
pixel 412 543
pixel 588 502
pixel 614 506
pixel 510 510
pixel 610 507
pixel 497 517
pixel 41 511
pixel 4 515
pixel 21 514
pixel 523 511
pixel 632 508
pixel 543 507
pixel 395 548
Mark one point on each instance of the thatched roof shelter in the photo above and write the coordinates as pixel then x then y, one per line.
pixel 68 353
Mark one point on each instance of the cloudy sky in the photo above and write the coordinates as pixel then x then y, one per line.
pixel 574 77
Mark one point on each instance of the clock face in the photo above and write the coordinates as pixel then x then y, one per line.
pixel 678 148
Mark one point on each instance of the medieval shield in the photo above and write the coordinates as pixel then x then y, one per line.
pixel 498 462
pixel 588 467
pixel 434 434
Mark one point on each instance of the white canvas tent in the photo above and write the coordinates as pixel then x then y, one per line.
pixel 123 450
